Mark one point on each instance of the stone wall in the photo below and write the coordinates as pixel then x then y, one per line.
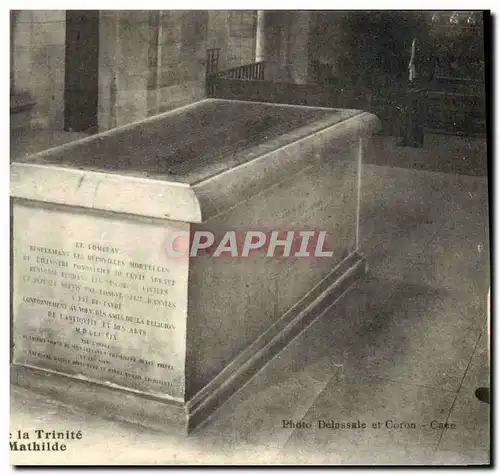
pixel 326 45
pixel 372 48
pixel 154 61
pixel 180 45
pixel 123 67
pixel 38 50
pixel 234 33
pixel 286 47
pixel 149 61
pixel 241 45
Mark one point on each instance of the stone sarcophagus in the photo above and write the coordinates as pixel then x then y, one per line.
pixel 112 309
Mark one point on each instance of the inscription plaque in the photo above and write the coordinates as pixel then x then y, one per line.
pixel 97 297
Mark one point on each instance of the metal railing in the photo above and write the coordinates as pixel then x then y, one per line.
pixel 248 72
pixel 212 61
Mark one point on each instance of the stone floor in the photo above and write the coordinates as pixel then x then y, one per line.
pixel 408 347
pixel 440 153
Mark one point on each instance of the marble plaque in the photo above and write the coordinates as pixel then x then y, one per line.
pixel 96 297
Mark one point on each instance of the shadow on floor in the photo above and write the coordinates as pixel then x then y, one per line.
pixel 440 153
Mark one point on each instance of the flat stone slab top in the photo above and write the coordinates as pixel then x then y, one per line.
pixel 192 163
pixel 192 143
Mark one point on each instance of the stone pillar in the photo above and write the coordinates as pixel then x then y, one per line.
pixel 108 53
pixel 298 46
pixel 13 17
pixel 287 38
pixel 260 36
pixel 123 67
pixel 38 63
pixel 276 45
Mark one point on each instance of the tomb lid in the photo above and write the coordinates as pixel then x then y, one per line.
pixel 182 149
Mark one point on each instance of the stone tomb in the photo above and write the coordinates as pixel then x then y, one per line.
pixel 105 317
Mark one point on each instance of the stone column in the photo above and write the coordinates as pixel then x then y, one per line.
pixel 260 36
pixel 108 54
pixel 13 19
pixel 298 46
pixel 123 67
pixel 38 64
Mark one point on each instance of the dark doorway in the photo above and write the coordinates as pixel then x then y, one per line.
pixel 81 72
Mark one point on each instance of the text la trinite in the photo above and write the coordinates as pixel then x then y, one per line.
pixel 40 440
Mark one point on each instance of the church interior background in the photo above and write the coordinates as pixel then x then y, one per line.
pixel 415 344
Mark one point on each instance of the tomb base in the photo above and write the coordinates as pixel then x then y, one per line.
pixel 169 416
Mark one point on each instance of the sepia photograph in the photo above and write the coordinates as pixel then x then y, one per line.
pixel 250 237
